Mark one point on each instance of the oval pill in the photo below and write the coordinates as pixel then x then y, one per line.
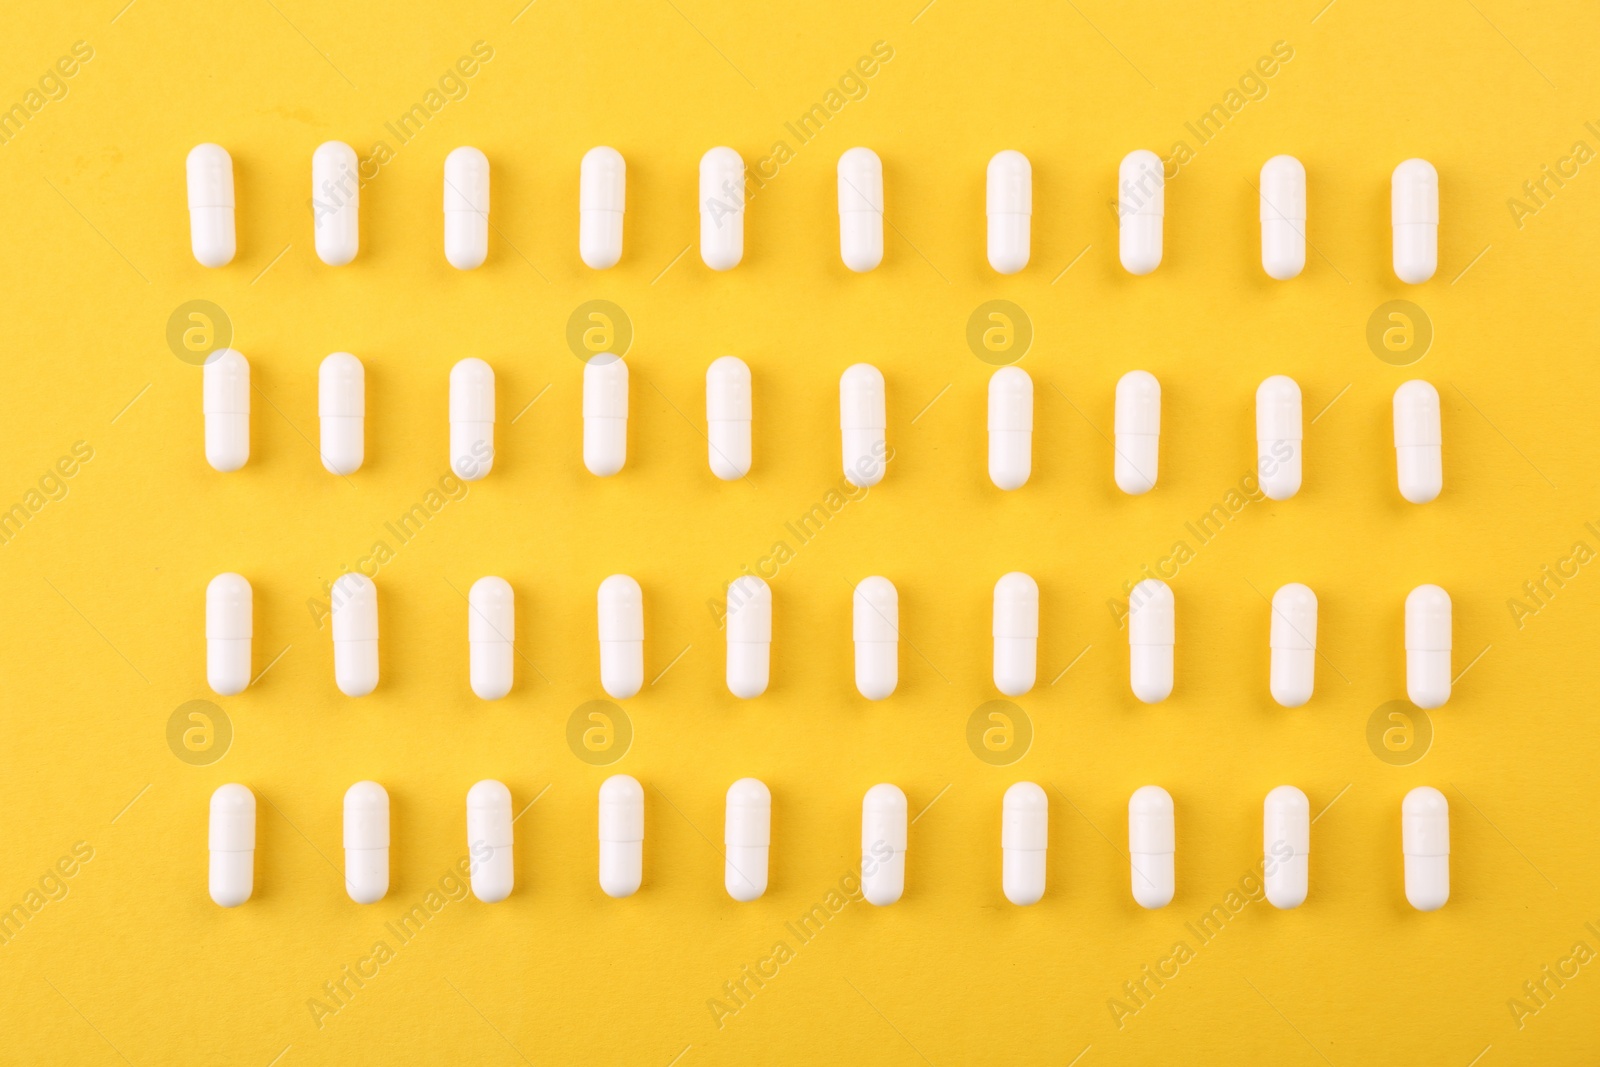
pixel 489 840
pixel 1278 437
pixel 863 419
pixel 210 180
pixel 747 833
pixel 721 208
pixel 749 628
pixel 366 842
pixel 1151 635
pixel 342 410
pixel 471 419
pixel 875 610
pixel 1010 427
pixel 1428 641
pixel 336 202
pixel 1414 207
pixel 466 208
pixel 1418 441
pixel 1286 846
pixel 1151 845
pixel 1137 429
pixel 621 835
pixel 229 628
pixel 883 844
pixel 602 198
pixel 1009 207
pixel 1016 633
pixel 491 637
pixel 225 389
pixel 355 634
pixel 621 636
pixel 1141 203
pixel 232 844
pixel 861 209
pixel 1024 836
pixel 1283 217
pixel 1294 644
pixel 605 414
pixel 1425 840
pixel 728 416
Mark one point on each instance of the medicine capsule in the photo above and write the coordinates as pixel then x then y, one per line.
pixel 621 636
pixel 336 202
pixel 728 414
pixel 355 634
pixel 1278 437
pixel 747 833
pixel 471 419
pixel 861 209
pixel 876 628
pixel 466 208
pixel 602 198
pixel 1010 427
pixel 1151 635
pixel 1141 203
pixel 491 637
pixel 1024 836
pixel 749 627
pixel 366 842
pixel 1137 428
pixel 883 844
pixel 605 414
pixel 342 410
pixel 1428 640
pixel 1286 843
pixel 1414 204
pixel 225 385
pixel 621 835
pixel 1010 210
pixel 489 840
pixel 233 844
pixel 1425 840
pixel 721 208
pixel 229 628
pixel 1016 633
pixel 1418 440
pixel 1294 644
pixel 211 233
pixel 863 417
pixel 1151 844
pixel 1283 217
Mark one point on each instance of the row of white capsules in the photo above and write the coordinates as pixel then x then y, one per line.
pixel 1024 839
pixel 1141 206
pixel 863 423
pixel 875 630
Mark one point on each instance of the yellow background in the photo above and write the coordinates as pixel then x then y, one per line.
pixel 101 636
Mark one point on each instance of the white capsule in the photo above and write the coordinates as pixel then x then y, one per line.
pixel 721 208
pixel 366 842
pixel 489 840
pixel 1137 429
pixel 747 835
pixel 466 208
pixel 336 202
pixel 233 844
pixel 1151 635
pixel 602 198
pixel 1425 841
pixel 749 628
pixel 1016 633
pixel 1428 641
pixel 1418 440
pixel 621 835
pixel 355 634
pixel 621 636
pixel 861 209
pixel 1283 217
pixel 1294 644
pixel 1010 210
pixel 342 410
pixel 883 844
pixel 863 417
pixel 229 628
pixel 1024 836
pixel 491 637
pixel 1286 845
pixel 1010 427
pixel 471 419
pixel 1414 207
pixel 728 415
pixel 1278 437
pixel 211 233
pixel 605 414
pixel 876 629
pixel 1151 844
pixel 1141 203
pixel 225 389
